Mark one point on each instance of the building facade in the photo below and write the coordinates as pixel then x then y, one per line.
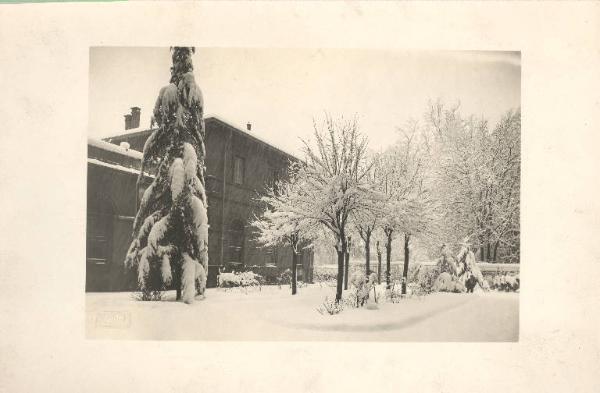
pixel 239 165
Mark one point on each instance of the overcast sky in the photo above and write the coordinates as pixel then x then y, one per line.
pixel 280 91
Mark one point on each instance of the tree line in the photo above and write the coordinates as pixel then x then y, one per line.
pixel 444 179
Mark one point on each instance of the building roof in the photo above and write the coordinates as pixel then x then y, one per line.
pixel 117 167
pixel 109 155
pixel 251 135
pixel 100 144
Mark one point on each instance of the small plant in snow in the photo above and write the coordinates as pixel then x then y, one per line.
pixel 330 307
pixel 361 287
pixel 285 278
pixel 147 296
pixel 325 278
pixel 421 283
pixel 302 284
pixel 394 293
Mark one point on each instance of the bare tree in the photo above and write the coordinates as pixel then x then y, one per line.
pixel 477 175
pixel 402 181
pixel 334 181
pixel 365 220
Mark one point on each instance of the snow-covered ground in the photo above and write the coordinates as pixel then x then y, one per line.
pixel 273 314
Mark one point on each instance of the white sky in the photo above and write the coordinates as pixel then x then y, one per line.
pixel 280 90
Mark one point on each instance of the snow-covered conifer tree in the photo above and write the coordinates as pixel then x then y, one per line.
pixel 170 230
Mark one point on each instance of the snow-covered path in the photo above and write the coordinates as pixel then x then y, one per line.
pixel 273 314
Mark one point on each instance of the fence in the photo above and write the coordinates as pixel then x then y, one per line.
pixel 397 268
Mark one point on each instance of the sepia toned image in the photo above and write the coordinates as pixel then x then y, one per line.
pixel 303 194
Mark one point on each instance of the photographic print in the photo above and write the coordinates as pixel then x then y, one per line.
pixel 303 194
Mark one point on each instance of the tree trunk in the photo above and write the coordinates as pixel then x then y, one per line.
pixel 488 252
pixel 388 261
pixel 406 256
pixel 368 254
pixel 378 263
pixel 294 270
pixel 347 263
pixel 341 253
pixel 495 250
pixel 340 276
pixel 177 282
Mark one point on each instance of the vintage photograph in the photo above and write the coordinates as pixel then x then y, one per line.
pixel 287 194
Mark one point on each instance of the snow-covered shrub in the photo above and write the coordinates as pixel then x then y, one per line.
pixel 242 279
pixel 512 283
pixel 147 295
pixel 330 307
pixel 361 287
pixel 285 278
pixel 446 283
pixel 301 284
pixel 421 280
pixel 394 293
pixel 248 279
pixel 414 271
pixel 324 278
pixel 505 282
pixel 414 289
pixel 486 285
pixel 228 280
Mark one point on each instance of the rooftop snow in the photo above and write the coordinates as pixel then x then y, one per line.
pixel 222 120
pixel 116 166
pixel 114 148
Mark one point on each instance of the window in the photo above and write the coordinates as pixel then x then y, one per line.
pixel 238 170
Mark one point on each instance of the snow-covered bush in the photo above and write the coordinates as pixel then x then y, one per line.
pixel 248 279
pixel 446 283
pixel 302 284
pixel 421 280
pixel 147 295
pixel 504 282
pixel 330 307
pixel 393 294
pixel 228 280
pixel 512 283
pixel 243 279
pixel 361 286
pixel 285 278
pixel 325 278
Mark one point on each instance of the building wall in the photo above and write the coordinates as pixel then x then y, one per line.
pixel 109 225
pixel 231 206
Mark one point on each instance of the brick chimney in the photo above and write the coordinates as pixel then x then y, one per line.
pixel 128 121
pixel 249 126
pixel 135 117
pixel 132 120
